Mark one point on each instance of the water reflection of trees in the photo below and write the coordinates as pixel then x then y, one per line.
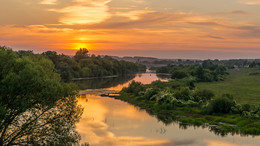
pixel 103 82
pixel 44 125
pixel 168 120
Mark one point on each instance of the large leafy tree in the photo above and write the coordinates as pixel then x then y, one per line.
pixel 35 107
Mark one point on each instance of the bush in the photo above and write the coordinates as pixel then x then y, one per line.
pixel 182 93
pixel 134 87
pixel 246 107
pixel 161 97
pixel 149 92
pixel 221 105
pixel 178 74
pixel 191 103
pixel 204 95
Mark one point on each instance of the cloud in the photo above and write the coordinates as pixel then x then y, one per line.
pixel 249 31
pixel 250 2
pixel 145 20
pixel 48 2
pixel 215 37
pixel 139 1
pixel 84 12
pixel 133 15
pixel 239 12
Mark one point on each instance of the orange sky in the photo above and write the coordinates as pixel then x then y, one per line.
pixel 166 29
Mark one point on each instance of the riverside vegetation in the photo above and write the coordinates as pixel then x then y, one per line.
pixel 180 100
pixel 36 106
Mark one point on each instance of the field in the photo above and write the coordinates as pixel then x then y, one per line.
pixel 244 84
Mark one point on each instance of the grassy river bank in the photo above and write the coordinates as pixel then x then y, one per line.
pixel 222 111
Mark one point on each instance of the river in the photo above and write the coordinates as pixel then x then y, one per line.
pixel 110 122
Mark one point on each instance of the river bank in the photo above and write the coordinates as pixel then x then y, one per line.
pixel 110 121
pixel 220 124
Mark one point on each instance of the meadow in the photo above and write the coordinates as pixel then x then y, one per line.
pixel 243 84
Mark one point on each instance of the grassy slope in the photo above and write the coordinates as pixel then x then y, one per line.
pixel 244 87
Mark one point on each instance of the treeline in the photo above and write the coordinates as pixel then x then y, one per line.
pixel 230 64
pixel 82 65
pixel 206 72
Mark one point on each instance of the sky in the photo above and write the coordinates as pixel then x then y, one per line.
pixel 188 29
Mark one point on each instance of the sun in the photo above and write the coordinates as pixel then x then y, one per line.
pixel 77 46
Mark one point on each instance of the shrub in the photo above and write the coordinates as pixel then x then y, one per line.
pixel 221 105
pixel 149 92
pixel 134 87
pixel 204 95
pixel 182 93
pixel 178 74
pixel 246 107
pixel 164 97
pixel 191 103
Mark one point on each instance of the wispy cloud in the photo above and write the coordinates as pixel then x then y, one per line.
pixel 250 2
pixel 48 2
pixel 134 15
pixel 84 12
pixel 215 37
pixel 239 12
pixel 139 1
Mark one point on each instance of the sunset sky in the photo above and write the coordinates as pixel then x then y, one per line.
pixel 196 29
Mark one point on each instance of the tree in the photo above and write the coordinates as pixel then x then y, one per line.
pixel 67 67
pixel 221 104
pixel 204 95
pixel 178 74
pixel 252 64
pixel 82 53
pixel 35 107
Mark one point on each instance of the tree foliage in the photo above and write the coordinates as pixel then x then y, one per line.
pixel 221 104
pixel 35 107
pixel 206 72
pixel 82 65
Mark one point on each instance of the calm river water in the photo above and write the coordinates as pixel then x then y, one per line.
pixel 109 122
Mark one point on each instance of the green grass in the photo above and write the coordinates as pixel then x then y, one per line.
pixel 244 87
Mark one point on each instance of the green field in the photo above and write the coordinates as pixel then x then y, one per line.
pixel 244 87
